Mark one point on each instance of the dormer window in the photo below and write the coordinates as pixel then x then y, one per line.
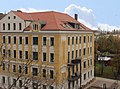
pixel 35 27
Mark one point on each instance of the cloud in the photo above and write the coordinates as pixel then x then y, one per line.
pixel 85 15
pixel 32 10
pixel 106 27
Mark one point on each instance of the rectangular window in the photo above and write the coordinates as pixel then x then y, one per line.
pixel 44 56
pixel 80 52
pixel 72 40
pixel 14 26
pixel 14 68
pixel 14 39
pixel 84 64
pixel 3 26
pixel 51 74
pixel 9 39
pixel 90 38
pixel 26 40
pixel 20 26
pixel 20 69
pixel 76 40
pixel 90 50
pixel 14 53
pixel 14 82
pixel 3 39
pixel 20 54
pixel 76 53
pixel 68 40
pixel 20 40
pixel 4 52
pixel 35 40
pixel 84 39
pixel 35 71
pixel 26 54
pixel 90 61
pixel 88 74
pixel 3 79
pixel 8 26
pixel 44 41
pixel 85 76
pixel 44 73
pixel 3 66
pixel 9 53
pixel 51 57
pixel 35 55
pixel 20 83
pixel 80 39
pixel 84 51
pixel 51 41
pixel 72 54
pixel 91 72
pixel 26 69
pixel 68 57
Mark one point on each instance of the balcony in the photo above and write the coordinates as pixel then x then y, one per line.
pixel 76 61
pixel 74 77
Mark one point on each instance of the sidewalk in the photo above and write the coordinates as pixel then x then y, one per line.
pixel 110 83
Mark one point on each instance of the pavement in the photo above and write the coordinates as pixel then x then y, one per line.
pixel 110 83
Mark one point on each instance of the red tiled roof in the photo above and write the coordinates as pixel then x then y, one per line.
pixel 54 20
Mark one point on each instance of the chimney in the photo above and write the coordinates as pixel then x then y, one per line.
pixel 76 16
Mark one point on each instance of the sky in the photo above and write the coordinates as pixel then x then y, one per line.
pixel 103 14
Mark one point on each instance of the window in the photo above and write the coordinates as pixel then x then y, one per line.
pixel 88 74
pixel 14 17
pixel 14 68
pixel 84 64
pixel 35 40
pixel 90 61
pixel 14 53
pixel 90 50
pixel 51 57
pixel 44 56
pixel 85 76
pixel 68 40
pixel 20 54
pixel 26 69
pixel 20 69
pixel 14 26
pixel 3 79
pixel 72 40
pixel 35 55
pixel 8 26
pixel 14 82
pixel 51 74
pixel 90 38
pixel 84 51
pixel 84 39
pixel 51 87
pixel 44 87
pixel 3 66
pixel 79 52
pixel 51 41
pixel 4 52
pixel 3 26
pixel 26 54
pixel 80 39
pixel 72 54
pixel 76 40
pixel 20 83
pixel 3 39
pixel 20 26
pixel 9 39
pixel 91 72
pixel 14 40
pixel 9 53
pixel 44 73
pixel 76 53
pixel 20 40
pixel 26 40
pixel 68 57
pixel 8 17
pixel 35 26
pixel 44 41
pixel 35 71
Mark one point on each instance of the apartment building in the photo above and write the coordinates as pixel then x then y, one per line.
pixel 45 50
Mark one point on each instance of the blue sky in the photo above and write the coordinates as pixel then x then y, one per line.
pixel 104 13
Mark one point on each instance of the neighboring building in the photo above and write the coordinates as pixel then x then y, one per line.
pixel 45 49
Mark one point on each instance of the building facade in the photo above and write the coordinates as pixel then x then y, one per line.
pixel 45 50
